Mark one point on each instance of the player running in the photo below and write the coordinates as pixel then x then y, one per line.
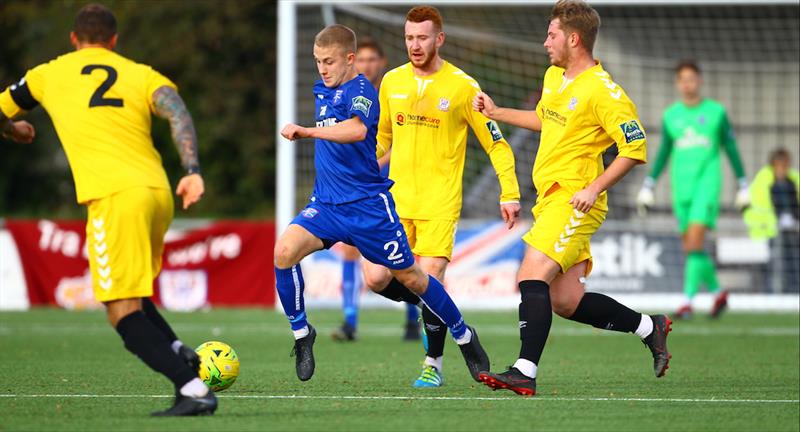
pixel 100 104
pixel 694 130
pixel 371 62
pixel 425 115
pixel 351 202
pixel 582 112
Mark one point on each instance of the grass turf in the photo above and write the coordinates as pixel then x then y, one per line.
pixel 588 380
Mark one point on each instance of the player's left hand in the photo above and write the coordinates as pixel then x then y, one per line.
pixel 292 132
pixel 510 213
pixel 191 188
pixel 583 200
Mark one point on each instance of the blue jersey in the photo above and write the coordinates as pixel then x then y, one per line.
pixel 347 172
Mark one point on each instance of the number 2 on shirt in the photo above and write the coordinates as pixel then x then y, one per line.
pixel 98 97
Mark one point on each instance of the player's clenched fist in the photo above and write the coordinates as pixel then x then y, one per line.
pixel 20 131
pixel 483 104
pixel 191 188
pixel 292 132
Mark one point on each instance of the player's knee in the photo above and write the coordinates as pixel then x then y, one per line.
pixel 376 280
pixel 563 306
pixel 116 310
pixel 285 255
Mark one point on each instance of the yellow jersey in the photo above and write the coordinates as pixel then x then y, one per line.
pixel 424 121
pixel 580 120
pixel 100 104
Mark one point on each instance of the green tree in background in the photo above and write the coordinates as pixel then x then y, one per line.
pixel 221 54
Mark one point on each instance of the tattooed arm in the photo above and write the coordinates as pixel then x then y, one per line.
pixel 169 105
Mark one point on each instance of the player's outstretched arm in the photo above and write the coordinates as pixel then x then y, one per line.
pixel 17 131
pixel 169 105
pixel 520 118
pixel 346 132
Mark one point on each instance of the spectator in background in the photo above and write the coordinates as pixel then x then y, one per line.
pixel 774 214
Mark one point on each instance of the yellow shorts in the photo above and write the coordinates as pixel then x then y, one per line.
pixel 125 235
pixel 431 238
pixel 561 232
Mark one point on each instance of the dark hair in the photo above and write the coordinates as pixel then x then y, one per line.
pixel 337 35
pixel 370 43
pixel 95 23
pixel 420 14
pixel 577 16
pixel 687 64
pixel 779 154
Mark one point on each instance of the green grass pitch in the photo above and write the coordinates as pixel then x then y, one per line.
pixel 69 371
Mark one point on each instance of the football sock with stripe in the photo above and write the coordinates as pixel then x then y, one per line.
pixel 535 318
pixel 441 305
pixel 290 290
pixel 147 342
pixel 603 312
pixel 436 331
pixel 350 291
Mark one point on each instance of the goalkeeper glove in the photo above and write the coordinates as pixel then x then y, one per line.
pixel 646 198
pixel 742 200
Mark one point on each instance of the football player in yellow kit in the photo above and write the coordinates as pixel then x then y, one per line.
pixel 582 112
pixel 101 105
pixel 426 111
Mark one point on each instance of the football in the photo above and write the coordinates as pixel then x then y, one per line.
pixel 219 365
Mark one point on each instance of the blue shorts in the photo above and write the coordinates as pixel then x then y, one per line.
pixel 370 224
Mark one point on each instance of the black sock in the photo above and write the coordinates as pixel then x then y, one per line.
pixel 436 331
pixel 398 292
pixel 146 341
pixel 149 309
pixel 535 318
pixel 605 313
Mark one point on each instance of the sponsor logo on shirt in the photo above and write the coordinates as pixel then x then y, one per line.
pixel 632 131
pixel 322 110
pixel 361 103
pixel 554 116
pixel 494 130
pixel 444 105
pixel 401 119
pixel 691 138
pixel 309 212
pixel 331 121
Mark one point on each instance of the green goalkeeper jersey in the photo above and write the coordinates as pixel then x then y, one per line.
pixel 694 136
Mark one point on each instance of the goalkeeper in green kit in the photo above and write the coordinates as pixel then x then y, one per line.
pixel 694 132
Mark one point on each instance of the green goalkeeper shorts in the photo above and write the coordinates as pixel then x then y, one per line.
pixel 702 209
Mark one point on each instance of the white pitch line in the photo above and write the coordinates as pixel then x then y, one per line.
pixel 425 398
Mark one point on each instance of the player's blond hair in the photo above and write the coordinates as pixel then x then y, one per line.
pixel 337 35
pixel 576 16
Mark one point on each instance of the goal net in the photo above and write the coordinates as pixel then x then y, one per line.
pixel 750 57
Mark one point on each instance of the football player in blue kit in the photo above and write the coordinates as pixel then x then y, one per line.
pixel 351 203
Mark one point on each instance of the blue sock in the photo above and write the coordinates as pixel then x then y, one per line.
pixel 440 303
pixel 412 313
pixel 350 291
pixel 290 290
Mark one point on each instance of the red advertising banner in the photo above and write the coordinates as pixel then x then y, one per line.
pixel 226 263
